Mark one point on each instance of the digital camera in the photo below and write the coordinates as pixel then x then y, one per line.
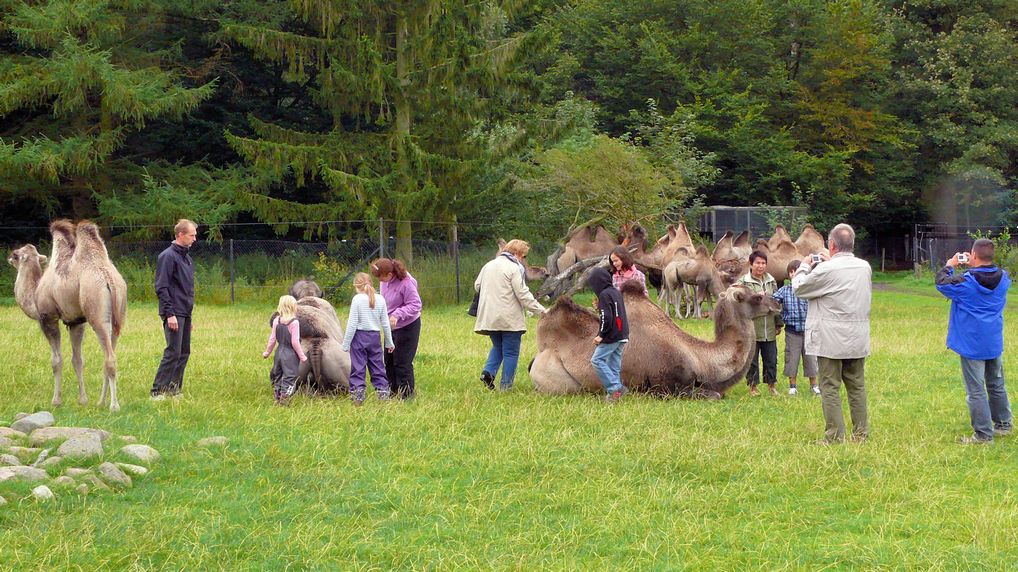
pixel 963 258
pixel 815 258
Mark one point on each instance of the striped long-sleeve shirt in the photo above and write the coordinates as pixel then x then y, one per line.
pixel 364 317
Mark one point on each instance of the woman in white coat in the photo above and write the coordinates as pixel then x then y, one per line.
pixel 504 297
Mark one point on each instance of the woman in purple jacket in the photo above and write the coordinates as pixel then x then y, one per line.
pixel 400 292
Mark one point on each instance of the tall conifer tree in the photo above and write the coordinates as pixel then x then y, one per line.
pixel 76 79
pixel 404 81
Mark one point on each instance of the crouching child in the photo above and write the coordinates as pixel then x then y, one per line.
pixel 612 336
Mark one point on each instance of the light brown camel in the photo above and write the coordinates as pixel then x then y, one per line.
pixel 79 285
pixel 778 256
pixel 660 358
pixel 810 242
pixel 583 243
pixel 728 248
pixel 689 281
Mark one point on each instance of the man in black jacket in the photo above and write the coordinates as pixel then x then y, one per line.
pixel 612 336
pixel 175 289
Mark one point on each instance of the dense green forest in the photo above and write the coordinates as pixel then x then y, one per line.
pixel 533 115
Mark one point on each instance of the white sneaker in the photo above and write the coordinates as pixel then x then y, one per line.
pixel 792 391
pixel 816 390
pixel 158 397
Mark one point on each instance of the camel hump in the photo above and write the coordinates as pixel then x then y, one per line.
pixel 63 229
pixel 701 251
pixel 742 239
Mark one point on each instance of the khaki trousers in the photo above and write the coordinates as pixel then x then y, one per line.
pixel 834 372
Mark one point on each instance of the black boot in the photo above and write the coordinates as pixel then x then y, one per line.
pixel 488 379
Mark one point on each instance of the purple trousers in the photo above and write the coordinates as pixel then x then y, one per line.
pixel 366 353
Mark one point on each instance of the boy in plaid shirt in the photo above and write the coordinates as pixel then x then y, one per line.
pixel 793 314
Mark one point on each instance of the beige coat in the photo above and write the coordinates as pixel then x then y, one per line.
pixel 839 291
pixel 504 298
pixel 765 326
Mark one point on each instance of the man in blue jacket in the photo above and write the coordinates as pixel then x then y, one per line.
pixel 975 332
pixel 175 290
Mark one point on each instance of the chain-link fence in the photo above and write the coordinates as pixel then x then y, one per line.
pixel 935 244
pixel 239 267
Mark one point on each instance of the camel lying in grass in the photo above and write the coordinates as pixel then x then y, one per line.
pixel 660 358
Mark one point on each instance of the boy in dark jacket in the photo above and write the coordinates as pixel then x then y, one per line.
pixel 975 331
pixel 612 336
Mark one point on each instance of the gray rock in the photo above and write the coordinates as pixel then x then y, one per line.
pixel 30 474
pixel 43 493
pixel 19 416
pixel 44 435
pixel 9 460
pixel 113 476
pixel 5 442
pixel 84 446
pixel 42 457
pixel 30 423
pixel 24 452
pixel 76 472
pixel 217 441
pixel 142 454
pixel 82 489
pixel 11 434
pixel 64 481
pixel 51 462
pixel 133 470
pixel 95 482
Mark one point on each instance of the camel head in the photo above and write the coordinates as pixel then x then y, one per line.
pixel 731 270
pixel 740 302
pixel 306 287
pixel 26 255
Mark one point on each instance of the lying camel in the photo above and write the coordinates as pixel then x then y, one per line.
pixel 327 369
pixel 660 358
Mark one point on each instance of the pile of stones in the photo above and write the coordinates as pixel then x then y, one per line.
pixel 68 460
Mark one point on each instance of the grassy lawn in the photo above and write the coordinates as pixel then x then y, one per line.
pixel 463 478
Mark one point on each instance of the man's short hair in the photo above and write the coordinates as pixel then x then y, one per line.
pixel 756 254
pixel 183 225
pixel 842 237
pixel 982 249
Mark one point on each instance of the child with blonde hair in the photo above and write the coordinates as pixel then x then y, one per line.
pixel 369 315
pixel 289 354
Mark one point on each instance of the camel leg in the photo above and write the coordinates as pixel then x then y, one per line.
pixel 104 332
pixel 51 329
pixel 77 332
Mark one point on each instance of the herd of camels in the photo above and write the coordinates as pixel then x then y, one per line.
pixel 77 284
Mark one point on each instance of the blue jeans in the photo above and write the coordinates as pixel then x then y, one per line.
pixel 505 351
pixel 607 362
pixel 989 407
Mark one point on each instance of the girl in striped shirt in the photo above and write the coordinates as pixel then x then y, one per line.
pixel 368 316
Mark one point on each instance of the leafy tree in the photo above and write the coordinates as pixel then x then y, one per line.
pixel 403 82
pixel 78 77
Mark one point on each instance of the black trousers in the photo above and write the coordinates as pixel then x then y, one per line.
pixel 769 352
pixel 170 375
pixel 399 365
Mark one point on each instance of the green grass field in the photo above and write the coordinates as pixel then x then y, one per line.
pixel 463 478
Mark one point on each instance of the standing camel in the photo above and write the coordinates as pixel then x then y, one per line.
pixel 80 285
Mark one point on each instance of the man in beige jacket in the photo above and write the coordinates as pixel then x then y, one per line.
pixel 504 297
pixel 839 291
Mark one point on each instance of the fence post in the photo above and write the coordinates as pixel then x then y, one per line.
pixel 231 272
pixel 381 237
pixel 456 254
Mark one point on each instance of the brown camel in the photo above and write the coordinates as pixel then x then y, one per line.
pixel 689 281
pixel 810 242
pixel 728 248
pixel 327 369
pixel 79 285
pixel 583 243
pixel 660 358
